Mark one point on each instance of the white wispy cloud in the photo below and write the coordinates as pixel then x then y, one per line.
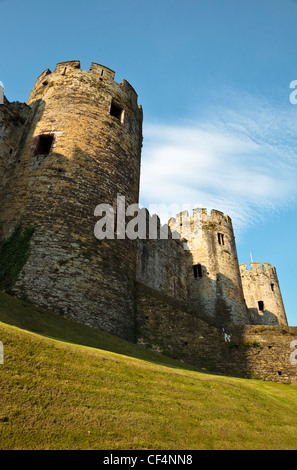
pixel 242 160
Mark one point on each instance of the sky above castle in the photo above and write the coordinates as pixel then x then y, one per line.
pixel 214 82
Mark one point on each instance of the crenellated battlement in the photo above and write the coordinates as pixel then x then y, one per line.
pixel 219 216
pixel 151 227
pixel 99 74
pixel 257 268
pixel 200 219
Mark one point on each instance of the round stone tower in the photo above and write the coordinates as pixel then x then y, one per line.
pixel 214 279
pixel 262 294
pixel 81 148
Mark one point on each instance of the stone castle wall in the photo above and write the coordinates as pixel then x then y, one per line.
pixel 162 264
pixel 246 351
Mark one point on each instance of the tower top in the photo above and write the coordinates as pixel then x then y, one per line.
pixel 97 73
pixel 257 268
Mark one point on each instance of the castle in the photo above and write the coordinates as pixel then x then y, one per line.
pixel 73 148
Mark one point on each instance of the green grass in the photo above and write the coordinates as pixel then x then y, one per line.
pixel 65 386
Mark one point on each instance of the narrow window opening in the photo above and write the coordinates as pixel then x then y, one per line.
pixel 261 305
pixel 44 144
pixel 10 151
pixel 221 238
pixel 116 111
pixel 279 372
pixel 197 270
pixel 272 287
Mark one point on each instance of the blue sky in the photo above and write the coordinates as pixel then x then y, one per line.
pixel 213 78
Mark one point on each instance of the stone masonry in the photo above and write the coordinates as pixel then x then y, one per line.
pixel 80 146
pixel 65 158
pixel 262 294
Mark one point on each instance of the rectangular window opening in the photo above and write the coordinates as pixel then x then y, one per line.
pixel 116 111
pixel 261 305
pixel 197 270
pixel 43 144
pixel 272 287
pixel 221 238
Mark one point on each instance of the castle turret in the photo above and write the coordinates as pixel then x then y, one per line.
pixel 80 148
pixel 214 280
pixel 262 294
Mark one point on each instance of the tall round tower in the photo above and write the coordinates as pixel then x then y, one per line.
pixel 214 279
pixel 81 147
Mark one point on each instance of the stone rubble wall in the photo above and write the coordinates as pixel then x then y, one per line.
pixel 259 352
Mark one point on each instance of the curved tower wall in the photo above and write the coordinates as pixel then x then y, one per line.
pixel 81 148
pixel 262 294
pixel 214 279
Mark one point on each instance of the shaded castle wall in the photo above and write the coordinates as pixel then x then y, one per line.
pixel 246 351
pixel 12 120
pixel 213 276
pixel 262 294
pixel 95 128
pixel 162 263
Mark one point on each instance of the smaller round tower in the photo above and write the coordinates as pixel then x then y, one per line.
pixel 262 294
pixel 214 279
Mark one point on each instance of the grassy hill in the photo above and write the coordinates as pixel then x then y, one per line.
pixel 66 386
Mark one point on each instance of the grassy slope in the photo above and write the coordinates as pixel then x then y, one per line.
pixel 89 390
